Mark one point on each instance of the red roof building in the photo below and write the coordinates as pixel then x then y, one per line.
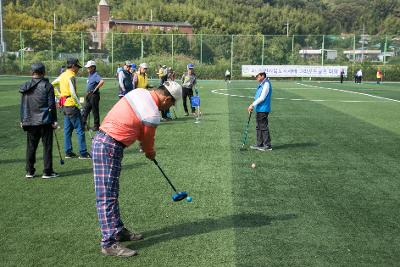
pixel 105 23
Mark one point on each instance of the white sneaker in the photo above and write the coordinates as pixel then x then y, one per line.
pixel 50 175
pixel 259 148
pixel 29 175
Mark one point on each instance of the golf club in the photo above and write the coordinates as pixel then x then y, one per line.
pixel 195 102
pixel 245 134
pixel 88 127
pixel 178 196
pixel 174 112
pixel 58 147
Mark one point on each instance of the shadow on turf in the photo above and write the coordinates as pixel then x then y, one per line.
pixel 8 161
pixel 189 119
pixel 183 121
pixel 90 170
pixel 243 220
pixel 294 145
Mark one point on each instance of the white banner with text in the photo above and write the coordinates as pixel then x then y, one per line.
pixel 294 70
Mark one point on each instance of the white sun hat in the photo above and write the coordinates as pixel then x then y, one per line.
pixel 90 63
pixel 174 88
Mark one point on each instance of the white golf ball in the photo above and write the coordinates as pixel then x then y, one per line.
pixel 253 165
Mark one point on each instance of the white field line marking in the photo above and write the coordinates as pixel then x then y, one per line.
pixel 351 92
pixel 215 91
pixel 287 88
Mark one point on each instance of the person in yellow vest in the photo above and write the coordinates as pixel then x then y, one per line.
pixel 163 74
pixel 379 76
pixel 140 80
pixel 66 91
pixel 160 73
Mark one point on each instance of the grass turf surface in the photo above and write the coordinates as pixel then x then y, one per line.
pixel 327 195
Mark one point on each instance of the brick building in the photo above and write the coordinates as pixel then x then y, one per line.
pixel 105 23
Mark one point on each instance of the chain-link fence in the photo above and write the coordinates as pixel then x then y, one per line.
pixel 212 54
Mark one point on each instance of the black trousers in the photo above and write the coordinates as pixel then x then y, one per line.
pixel 187 93
pixel 34 134
pixel 164 114
pixel 262 129
pixel 163 79
pixel 92 104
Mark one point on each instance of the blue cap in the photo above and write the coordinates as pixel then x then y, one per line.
pixel 190 66
pixel 133 66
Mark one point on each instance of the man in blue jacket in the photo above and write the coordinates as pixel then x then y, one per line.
pixel 262 106
pixel 125 80
pixel 38 119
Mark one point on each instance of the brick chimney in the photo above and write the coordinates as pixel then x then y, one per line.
pixel 103 21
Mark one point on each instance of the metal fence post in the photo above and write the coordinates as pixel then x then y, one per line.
pixel 82 49
pixel 292 46
pixel 323 50
pixel 354 48
pixel 112 53
pixel 201 48
pixel 21 54
pixel 384 55
pixel 262 50
pixel 141 47
pixel 51 52
pixel 232 55
pixel 172 49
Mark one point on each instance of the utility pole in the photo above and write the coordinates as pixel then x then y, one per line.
pixel 2 45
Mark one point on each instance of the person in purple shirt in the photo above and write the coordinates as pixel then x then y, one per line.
pixel 92 98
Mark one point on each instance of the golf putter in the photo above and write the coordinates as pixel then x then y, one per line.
pixel 58 147
pixel 88 127
pixel 174 112
pixel 245 134
pixel 178 196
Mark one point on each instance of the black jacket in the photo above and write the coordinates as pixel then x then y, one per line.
pixel 38 105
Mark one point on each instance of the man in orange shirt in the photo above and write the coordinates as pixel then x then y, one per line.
pixel 133 117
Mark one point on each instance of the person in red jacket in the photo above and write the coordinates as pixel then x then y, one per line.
pixel 134 117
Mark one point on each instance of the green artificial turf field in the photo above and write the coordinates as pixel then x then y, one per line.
pixel 327 195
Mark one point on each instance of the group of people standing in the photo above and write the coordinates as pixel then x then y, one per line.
pixel 188 80
pixel 358 75
pixel 38 112
pixel 129 78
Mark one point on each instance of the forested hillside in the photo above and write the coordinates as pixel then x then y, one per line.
pixel 217 16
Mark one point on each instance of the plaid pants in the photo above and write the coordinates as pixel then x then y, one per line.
pixel 107 156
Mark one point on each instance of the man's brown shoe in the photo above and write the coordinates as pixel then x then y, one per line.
pixel 118 250
pixel 126 235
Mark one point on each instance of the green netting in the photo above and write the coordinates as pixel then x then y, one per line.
pixel 214 53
